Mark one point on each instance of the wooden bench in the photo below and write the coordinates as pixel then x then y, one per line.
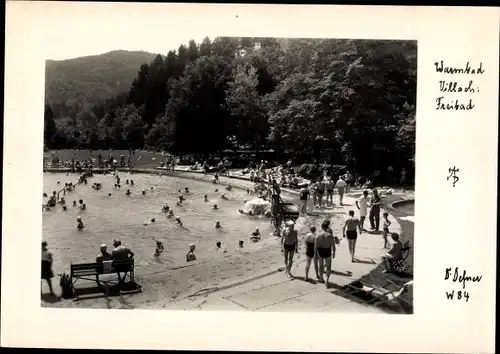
pixel 91 271
pixel 398 266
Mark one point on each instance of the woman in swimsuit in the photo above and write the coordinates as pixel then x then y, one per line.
pixel 289 244
pixel 310 254
pixel 350 232
pixel 323 247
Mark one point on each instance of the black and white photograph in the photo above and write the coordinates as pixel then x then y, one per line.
pixel 231 173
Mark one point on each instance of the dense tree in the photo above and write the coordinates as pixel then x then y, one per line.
pixel 50 128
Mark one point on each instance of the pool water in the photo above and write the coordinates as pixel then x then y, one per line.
pixel 123 217
pixel 407 207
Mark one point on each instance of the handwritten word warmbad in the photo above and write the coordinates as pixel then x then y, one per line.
pixel 468 70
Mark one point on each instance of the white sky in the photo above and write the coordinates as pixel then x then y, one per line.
pixel 80 29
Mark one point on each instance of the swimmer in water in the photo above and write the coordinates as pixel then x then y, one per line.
pixel 178 221
pixel 223 197
pixel 190 255
pixel 229 187
pixel 126 181
pixel 153 220
pixel 245 200
pixel 58 182
pixel 45 195
pixel 128 192
pixel 179 202
pixel 216 191
pixel 159 247
pixel 170 213
pixel 240 243
pixel 186 190
pixel 131 182
pixel 206 198
pixel 82 205
pixel 80 225
pixel 152 188
pixel 179 191
pixel 62 201
pixel 64 208
pixel 165 208
pixel 74 203
pixel 218 225
pixel 143 192
pixel 216 207
pixel 109 194
pixel 219 247
pixel 255 236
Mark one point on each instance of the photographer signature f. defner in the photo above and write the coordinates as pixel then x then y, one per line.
pixel 463 279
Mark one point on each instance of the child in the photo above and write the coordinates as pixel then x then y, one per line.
pixel 218 225
pixel 387 223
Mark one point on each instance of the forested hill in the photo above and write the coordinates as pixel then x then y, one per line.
pixel 92 79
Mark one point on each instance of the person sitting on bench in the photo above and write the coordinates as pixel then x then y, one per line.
pixel 120 253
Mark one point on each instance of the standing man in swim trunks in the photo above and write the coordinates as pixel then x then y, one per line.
pixel 320 190
pixel 289 243
pixel 324 247
pixel 309 241
pixel 349 231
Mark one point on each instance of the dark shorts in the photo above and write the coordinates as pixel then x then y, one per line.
pixel 47 270
pixel 329 191
pixel 351 235
pixel 324 252
pixel 289 248
pixel 320 192
pixel 310 249
pixel 386 230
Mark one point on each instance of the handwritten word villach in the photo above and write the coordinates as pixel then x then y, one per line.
pixel 441 68
pixel 454 87
pixel 461 278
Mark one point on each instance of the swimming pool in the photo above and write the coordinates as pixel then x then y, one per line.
pixel 123 217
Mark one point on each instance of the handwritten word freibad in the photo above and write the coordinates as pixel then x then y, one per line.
pixel 450 87
pixel 460 277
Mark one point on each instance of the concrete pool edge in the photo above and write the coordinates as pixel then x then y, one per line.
pixel 223 180
pixel 395 205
